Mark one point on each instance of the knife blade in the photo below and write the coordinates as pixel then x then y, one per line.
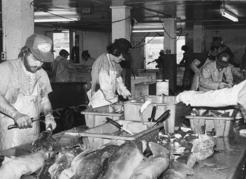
pixel 162 118
pixel 116 124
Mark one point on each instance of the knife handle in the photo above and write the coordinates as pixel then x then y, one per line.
pixel 152 117
pixel 163 117
pixel 111 121
pixel 12 126
pixel 15 125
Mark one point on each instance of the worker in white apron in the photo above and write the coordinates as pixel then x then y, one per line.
pixel 24 89
pixel 106 76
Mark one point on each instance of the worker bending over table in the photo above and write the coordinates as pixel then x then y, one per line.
pixel 24 89
pixel 107 82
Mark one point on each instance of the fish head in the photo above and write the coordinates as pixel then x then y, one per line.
pixel 172 174
pixel 158 150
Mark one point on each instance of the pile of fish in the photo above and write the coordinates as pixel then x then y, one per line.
pixel 180 142
pixel 186 146
pixel 16 167
pixel 151 160
pixel 63 160
pixel 37 158
pixel 112 161
pixel 89 163
pixel 45 142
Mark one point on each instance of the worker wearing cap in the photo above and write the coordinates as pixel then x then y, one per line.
pixel 24 89
pixel 216 74
pixel 106 75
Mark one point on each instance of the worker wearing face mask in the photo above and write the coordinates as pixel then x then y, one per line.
pixel 197 65
pixel 107 82
pixel 217 74
pixel 24 89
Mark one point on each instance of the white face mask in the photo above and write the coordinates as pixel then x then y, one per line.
pixel 118 59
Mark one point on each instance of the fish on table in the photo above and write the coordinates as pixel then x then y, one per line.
pixel 173 174
pixel 153 166
pixel 89 164
pixel 16 167
pixel 63 160
pixel 122 164
pixel 178 170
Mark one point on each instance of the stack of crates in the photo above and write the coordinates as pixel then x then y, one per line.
pixel 221 125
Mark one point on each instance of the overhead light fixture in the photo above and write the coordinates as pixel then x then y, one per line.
pixel 56 15
pixel 146 30
pixel 57 19
pixel 229 15
pixel 148 27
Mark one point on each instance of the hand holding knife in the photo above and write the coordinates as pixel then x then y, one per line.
pixel 15 125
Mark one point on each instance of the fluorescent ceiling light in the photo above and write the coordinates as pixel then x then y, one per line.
pixel 56 15
pixel 229 15
pixel 56 12
pixel 146 30
pixel 68 19
pixel 148 27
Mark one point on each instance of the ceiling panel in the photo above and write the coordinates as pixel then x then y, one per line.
pixel 96 14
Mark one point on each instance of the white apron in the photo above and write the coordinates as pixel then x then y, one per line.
pixel 26 104
pixel 98 99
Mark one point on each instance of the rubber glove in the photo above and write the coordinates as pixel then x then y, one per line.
pixel 50 121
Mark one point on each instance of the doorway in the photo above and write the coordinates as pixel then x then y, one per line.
pixel 154 45
pixel 61 41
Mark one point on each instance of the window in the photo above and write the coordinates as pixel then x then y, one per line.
pixel 179 52
pixel 152 48
pixel 61 41
pixel 154 45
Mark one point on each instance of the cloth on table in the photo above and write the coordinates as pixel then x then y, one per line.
pixel 215 98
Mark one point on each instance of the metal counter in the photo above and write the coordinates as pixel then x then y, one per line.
pixel 227 163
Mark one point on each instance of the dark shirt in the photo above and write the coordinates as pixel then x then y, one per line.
pixel 243 62
pixel 75 54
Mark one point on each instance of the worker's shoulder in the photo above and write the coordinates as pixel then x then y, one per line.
pixel 42 73
pixel 10 65
pixel 210 64
pixel 100 58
